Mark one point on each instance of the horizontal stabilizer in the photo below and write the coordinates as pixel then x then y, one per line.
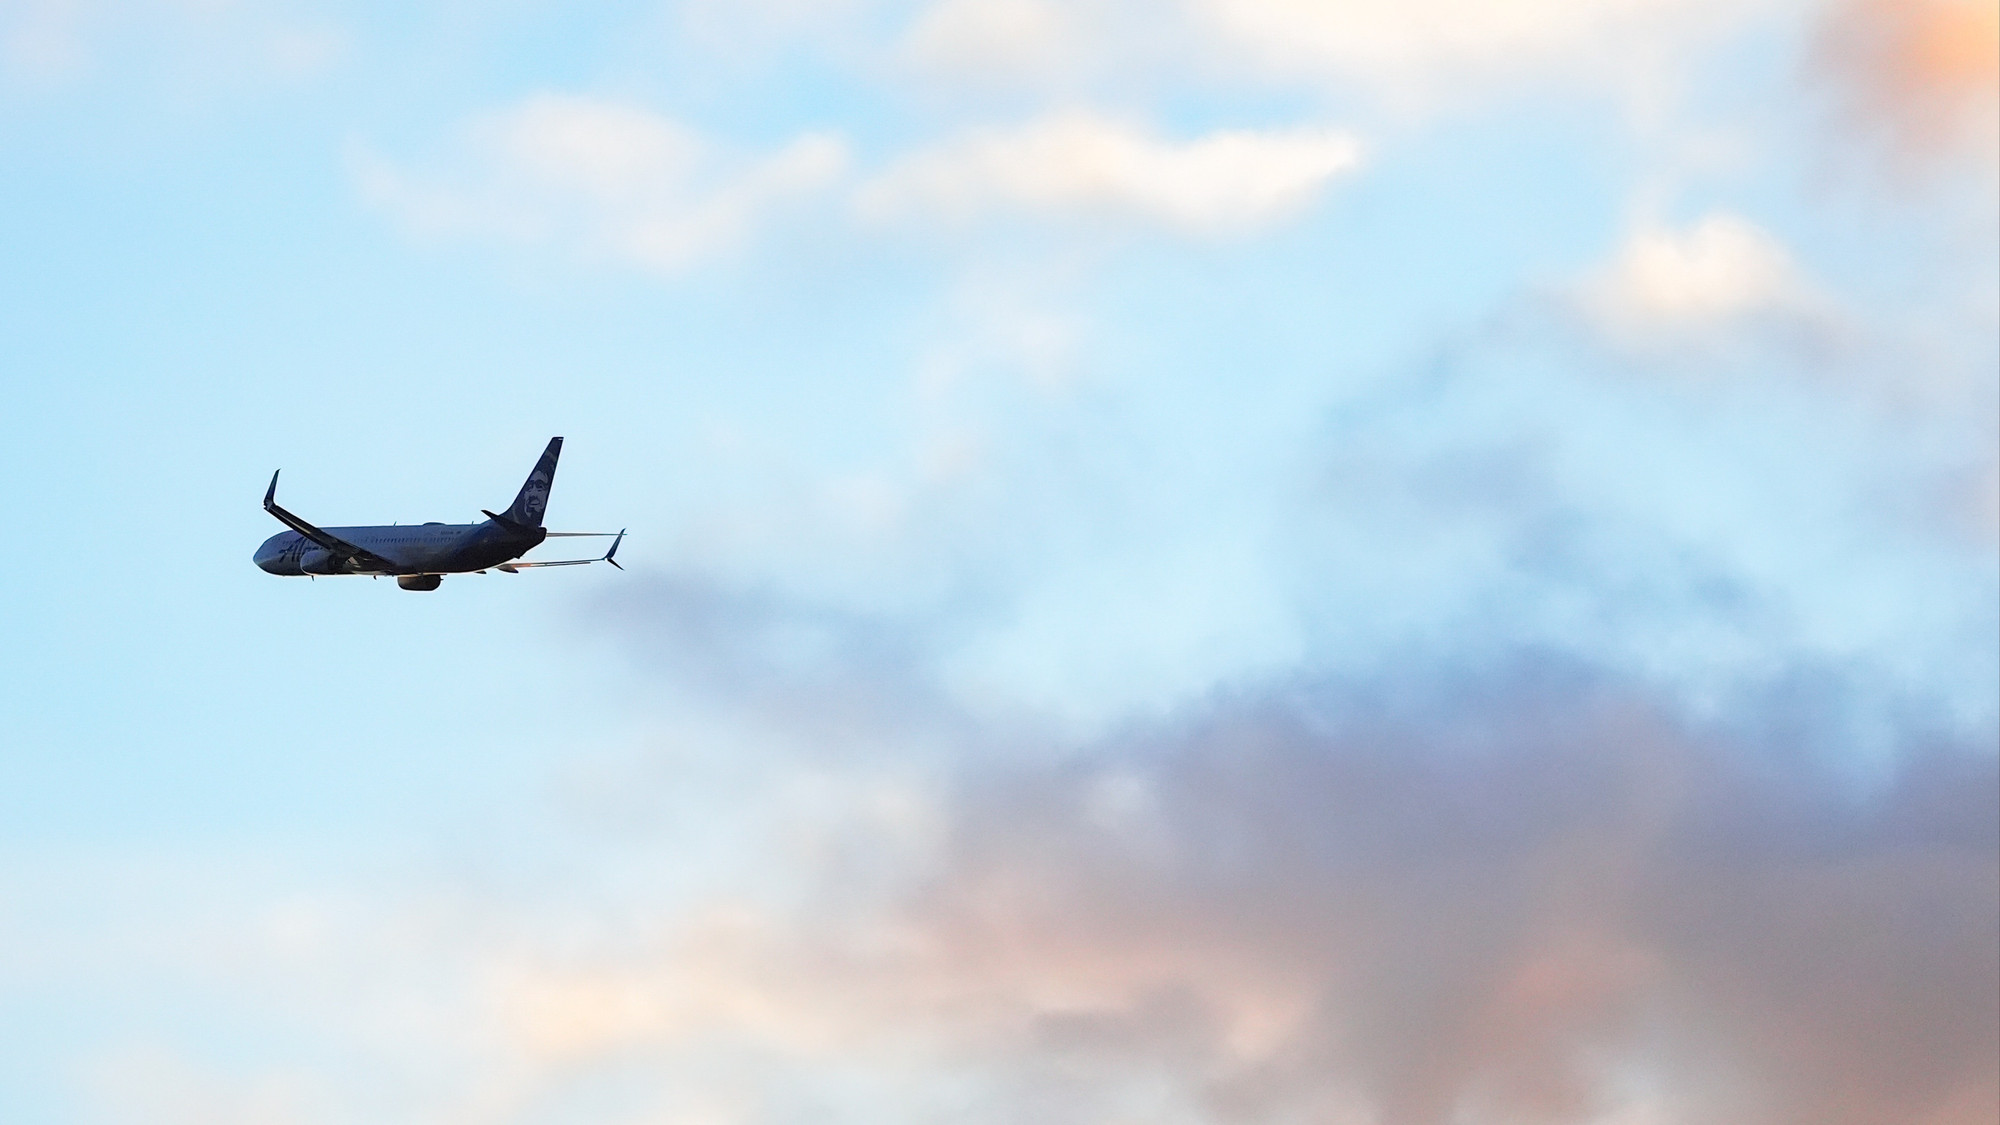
pixel 511 567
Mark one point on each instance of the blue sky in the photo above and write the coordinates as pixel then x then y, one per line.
pixel 1242 560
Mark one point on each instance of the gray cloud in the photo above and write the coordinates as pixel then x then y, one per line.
pixel 1497 892
pixel 1523 887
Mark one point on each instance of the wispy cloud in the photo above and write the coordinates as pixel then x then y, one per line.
pixel 1024 42
pixel 1452 43
pixel 613 180
pixel 602 179
pixel 1083 164
pixel 1402 55
pixel 179 47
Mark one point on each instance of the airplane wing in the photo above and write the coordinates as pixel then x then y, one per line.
pixel 333 543
pixel 511 567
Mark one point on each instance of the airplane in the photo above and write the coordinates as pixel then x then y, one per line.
pixel 420 555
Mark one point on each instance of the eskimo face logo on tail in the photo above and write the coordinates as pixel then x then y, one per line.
pixel 535 496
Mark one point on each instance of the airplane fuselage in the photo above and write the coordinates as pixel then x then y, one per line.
pixel 419 555
pixel 428 548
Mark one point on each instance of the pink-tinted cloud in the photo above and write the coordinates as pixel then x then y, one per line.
pixel 1523 890
pixel 1524 898
pixel 1500 900
pixel 1924 72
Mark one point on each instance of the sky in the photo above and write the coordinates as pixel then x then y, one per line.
pixel 1203 561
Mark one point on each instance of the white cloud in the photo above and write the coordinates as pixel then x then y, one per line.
pixel 1668 282
pixel 994 39
pixel 1229 180
pixel 1424 43
pixel 606 179
pixel 1411 52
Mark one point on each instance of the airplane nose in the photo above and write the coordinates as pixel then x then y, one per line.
pixel 267 556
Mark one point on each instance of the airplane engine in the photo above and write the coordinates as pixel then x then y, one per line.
pixel 317 560
pixel 419 581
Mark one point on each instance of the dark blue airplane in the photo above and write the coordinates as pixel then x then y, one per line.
pixel 420 555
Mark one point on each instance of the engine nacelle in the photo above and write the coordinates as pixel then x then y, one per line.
pixel 419 581
pixel 317 560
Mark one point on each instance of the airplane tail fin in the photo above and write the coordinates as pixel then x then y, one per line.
pixel 534 496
